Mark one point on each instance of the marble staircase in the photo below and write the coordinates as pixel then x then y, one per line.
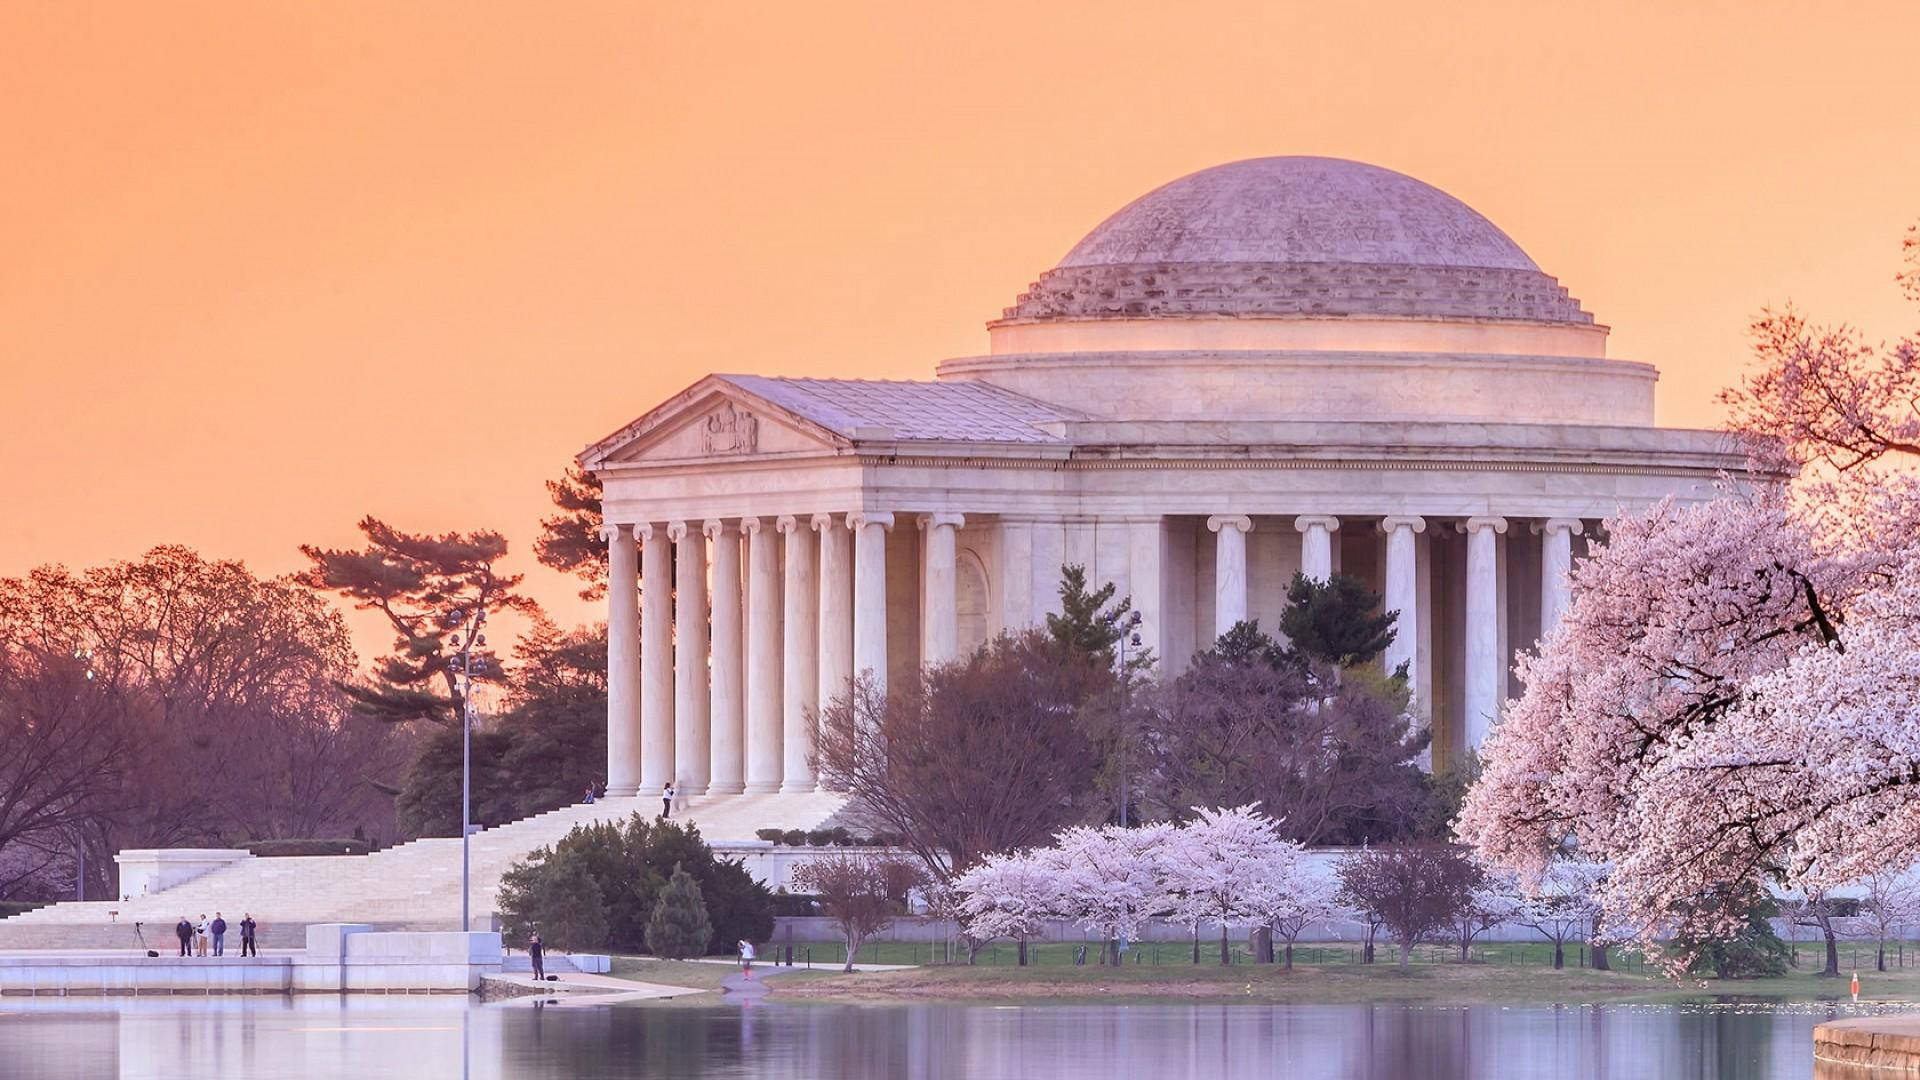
pixel 412 886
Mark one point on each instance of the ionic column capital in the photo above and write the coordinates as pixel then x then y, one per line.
pixel 1475 524
pixel 1403 521
pixel 882 518
pixel 822 523
pixel 1307 521
pixel 644 532
pixel 750 526
pixel 676 531
pixel 1230 521
pixel 611 532
pixel 1572 526
pixel 714 528
pixel 786 523
pixel 935 521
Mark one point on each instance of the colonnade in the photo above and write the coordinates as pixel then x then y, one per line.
pixel 1486 659
pixel 712 683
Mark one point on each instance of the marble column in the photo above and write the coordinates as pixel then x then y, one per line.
pixel 763 659
pixel 623 661
pixel 692 755
pixel 656 659
pixel 1316 544
pixel 1556 561
pixel 1016 575
pixel 836 607
pixel 1229 570
pixel 869 529
pixel 1049 557
pixel 1146 577
pixel 801 660
pixel 940 623
pixel 1486 668
pixel 727 711
pixel 1402 593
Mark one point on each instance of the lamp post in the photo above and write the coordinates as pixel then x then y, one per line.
pixel 464 663
pixel 85 657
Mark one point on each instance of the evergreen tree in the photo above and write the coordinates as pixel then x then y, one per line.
pixel 1091 623
pixel 417 581
pixel 570 540
pixel 1244 643
pixel 679 927
pixel 561 901
pixel 1335 621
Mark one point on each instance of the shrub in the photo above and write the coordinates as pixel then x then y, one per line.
pixel 840 836
pixel 819 838
pixel 572 913
pixel 796 904
pixel 794 838
pixel 273 849
pixel 769 835
pixel 20 907
pixel 679 927
pixel 628 867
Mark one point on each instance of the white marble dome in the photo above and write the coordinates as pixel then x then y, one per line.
pixel 1298 210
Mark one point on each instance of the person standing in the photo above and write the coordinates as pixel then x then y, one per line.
pixel 247 929
pixel 184 930
pixel 200 935
pixel 538 954
pixel 666 800
pixel 746 958
pixel 219 928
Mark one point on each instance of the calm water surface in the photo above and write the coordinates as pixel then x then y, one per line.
pixel 429 1038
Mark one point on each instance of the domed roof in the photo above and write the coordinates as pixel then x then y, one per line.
pixel 1298 210
pixel 1300 237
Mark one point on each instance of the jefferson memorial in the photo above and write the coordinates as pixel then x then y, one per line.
pixel 1277 365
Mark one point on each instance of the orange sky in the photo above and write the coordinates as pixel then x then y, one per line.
pixel 268 266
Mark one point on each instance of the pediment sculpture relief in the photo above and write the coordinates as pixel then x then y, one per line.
pixel 730 430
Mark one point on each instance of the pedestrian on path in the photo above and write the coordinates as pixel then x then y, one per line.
pixel 219 928
pixel 184 930
pixel 538 954
pixel 200 935
pixel 746 958
pixel 666 801
pixel 247 929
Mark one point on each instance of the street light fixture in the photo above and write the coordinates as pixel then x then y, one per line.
pixel 466 636
pixel 84 656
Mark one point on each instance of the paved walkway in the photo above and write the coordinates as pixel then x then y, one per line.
pixel 577 988
pixel 767 966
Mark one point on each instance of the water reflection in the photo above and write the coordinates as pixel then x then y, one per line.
pixel 371 1037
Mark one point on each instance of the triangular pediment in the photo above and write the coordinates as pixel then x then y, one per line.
pixel 713 419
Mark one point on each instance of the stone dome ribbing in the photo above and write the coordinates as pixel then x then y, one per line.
pixel 1297 236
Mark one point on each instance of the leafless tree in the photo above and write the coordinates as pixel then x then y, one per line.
pixel 862 892
pixel 1892 901
pixel 1415 891
pixel 984 754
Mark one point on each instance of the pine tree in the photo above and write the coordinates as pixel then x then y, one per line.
pixel 679 927
pixel 1090 624
pixel 557 896
pixel 1335 621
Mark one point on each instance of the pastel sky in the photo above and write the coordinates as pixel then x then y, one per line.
pixel 268 266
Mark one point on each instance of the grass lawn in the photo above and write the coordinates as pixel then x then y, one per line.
pixel 671 972
pixel 1322 974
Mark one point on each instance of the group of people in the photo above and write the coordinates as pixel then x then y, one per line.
pixel 597 791
pixel 195 938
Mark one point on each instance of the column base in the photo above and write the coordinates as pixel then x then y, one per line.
pixel 648 790
pixel 799 789
pixel 693 791
pixel 622 791
pixel 719 787
pixel 761 787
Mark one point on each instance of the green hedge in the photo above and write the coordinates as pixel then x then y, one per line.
pixel 270 849
pixel 17 907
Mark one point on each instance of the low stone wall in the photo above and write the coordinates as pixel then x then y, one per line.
pixel 339 958
pixel 923 929
pixel 1868 1046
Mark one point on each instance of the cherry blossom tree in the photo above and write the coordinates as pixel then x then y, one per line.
pixel 1011 896
pixel 1111 879
pixel 1413 891
pixel 1309 899
pixel 1733 698
pixel 1564 905
pixel 1494 899
pixel 1892 900
pixel 1226 867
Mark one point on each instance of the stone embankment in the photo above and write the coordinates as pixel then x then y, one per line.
pixel 1868 1046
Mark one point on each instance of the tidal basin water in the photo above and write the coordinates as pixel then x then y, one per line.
pixel 429 1038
